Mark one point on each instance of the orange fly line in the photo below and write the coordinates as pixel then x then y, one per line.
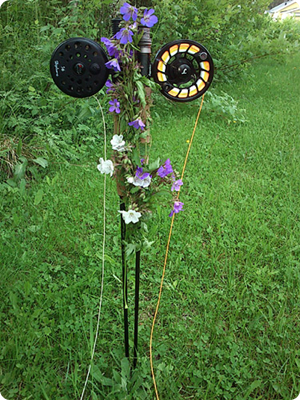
pixel 167 252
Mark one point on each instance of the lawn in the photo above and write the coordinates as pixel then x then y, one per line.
pixel 228 325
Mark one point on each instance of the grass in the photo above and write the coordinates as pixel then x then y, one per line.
pixel 228 321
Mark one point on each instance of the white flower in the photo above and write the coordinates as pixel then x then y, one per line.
pixel 135 181
pixel 105 167
pixel 146 182
pixel 1 397
pixel 131 216
pixel 118 143
pixel 139 182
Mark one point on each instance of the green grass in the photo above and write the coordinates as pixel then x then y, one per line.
pixel 228 322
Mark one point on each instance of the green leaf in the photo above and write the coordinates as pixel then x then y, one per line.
pixel 136 158
pixel 11 183
pixel 144 227
pixel 96 374
pixel 135 189
pixel 22 187
pixel 130 248
pixel 154 165
pixel 19 147
pixel 38 197
pixel 20 169
pixel 106 258
pixel 153 85
pixel 254 385
pixel 94 396
pixel 41 161
pixel 44 28
pixel 27 288
pixel 141 93
pixel 47 330
pixel 147 244
pixel 125 368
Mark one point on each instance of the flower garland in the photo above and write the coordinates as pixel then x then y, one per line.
pixel 139 181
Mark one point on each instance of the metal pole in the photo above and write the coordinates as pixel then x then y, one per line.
pixel 145 51
pixel 124 280
pixel 136 310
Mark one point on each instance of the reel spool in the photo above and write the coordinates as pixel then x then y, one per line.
pixel 184 69
pixel 78 67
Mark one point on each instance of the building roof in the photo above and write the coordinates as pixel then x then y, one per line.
pixel 284 5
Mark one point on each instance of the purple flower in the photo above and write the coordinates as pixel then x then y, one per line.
pixel 165 169
pixel 176 185
pixel 106 41
pixel 110 86
pixel 141 174
pixel 133 26
pixel 113 64
pixel 137 124
pixel 177 207
pixel 113 51
pixel 128 12
pixel 115 106
pixel 124 35
pixel 149 20
pixel 111 48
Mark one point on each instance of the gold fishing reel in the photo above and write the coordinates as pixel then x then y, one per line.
pixel 184 69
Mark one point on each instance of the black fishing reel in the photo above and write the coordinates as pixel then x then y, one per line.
pixel 78 67
pixel 184 69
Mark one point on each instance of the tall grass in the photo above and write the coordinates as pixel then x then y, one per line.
pixel 228 322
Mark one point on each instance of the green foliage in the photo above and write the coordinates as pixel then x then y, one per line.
pixel 234 32
pixel 32 108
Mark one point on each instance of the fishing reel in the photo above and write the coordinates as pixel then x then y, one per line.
pixel 184 69
pixel 78 67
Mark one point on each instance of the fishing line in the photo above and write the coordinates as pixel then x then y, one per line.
pixel 103 254
pixel 167 252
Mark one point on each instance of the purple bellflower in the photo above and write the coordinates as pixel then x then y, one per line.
pixel 176 185
pixel 110 86
pixel 124 35
pixel 106 41
pixel 113 64
pixel 128 12
pixel 165 169
pixel 111 49
pixel 177 207
pixel 149 19
pixel 137 124
pixel 115 106
pixel 141 174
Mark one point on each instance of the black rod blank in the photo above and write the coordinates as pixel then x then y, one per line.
pixel 136 310
pixel 124 279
